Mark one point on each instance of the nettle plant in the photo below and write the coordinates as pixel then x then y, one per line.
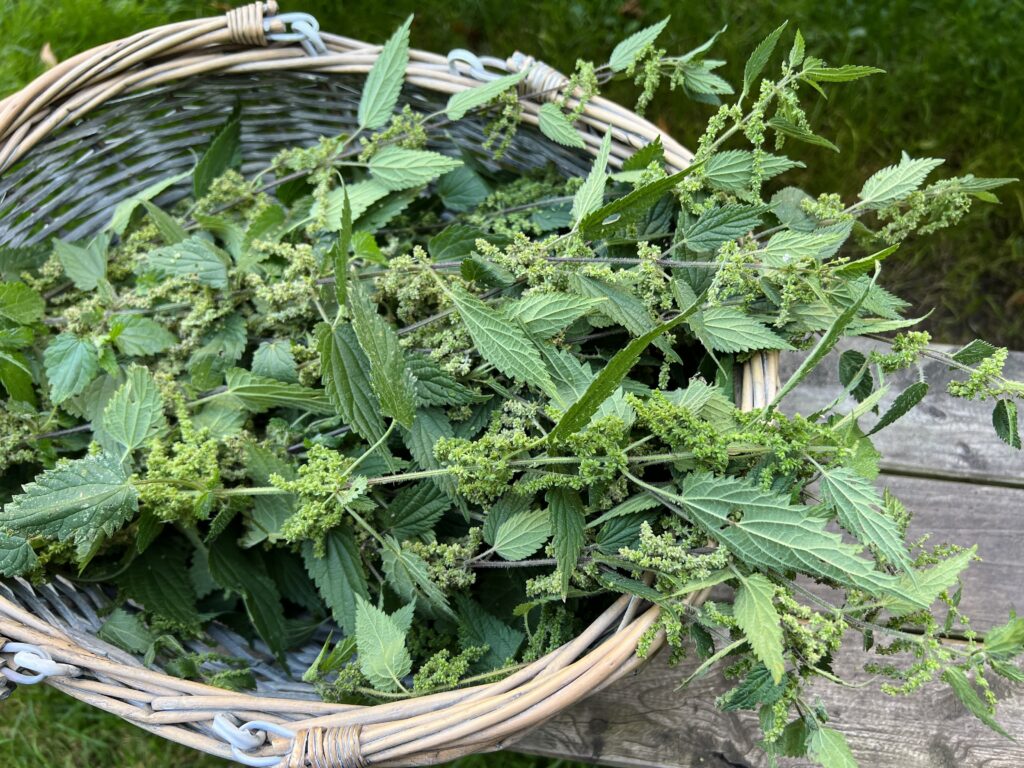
pixel 383 383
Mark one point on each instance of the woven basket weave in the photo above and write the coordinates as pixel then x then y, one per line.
pixel 112 121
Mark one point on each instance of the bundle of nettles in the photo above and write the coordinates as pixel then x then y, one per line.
pixel 452 411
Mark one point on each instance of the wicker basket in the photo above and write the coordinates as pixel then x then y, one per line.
pixel 114 120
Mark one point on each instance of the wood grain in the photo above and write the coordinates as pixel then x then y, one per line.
pixel 964 486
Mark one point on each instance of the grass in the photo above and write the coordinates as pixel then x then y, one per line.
pixel 953 89
pixel 40 726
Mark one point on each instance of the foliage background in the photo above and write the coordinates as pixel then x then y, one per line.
pixel 954 89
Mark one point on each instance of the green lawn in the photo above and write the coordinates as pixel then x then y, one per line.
pixel 953 90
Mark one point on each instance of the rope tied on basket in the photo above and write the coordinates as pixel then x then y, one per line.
pixel 327 748
pixel 259 24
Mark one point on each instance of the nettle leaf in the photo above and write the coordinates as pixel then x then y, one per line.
pixel 122 215
pixel 590 195
pixel 651 152
pixel 127 631
pixel 968 695
pixel 896 181
pixel 625 52
pixel 500 343
pixel 151 580
pixel 140 336
pixel 274 359
pixel 390 378
pixel 71 362
pixel 17 558
pixel 720 225
pixel 555 124
pixel 85 266
pixel 567 526
pixel 759 58
pixel 522 534
pixel 435 387
pixel 415 510
pixel 545 314
pixel 194 257
pixel 787 247
pixel 380 638
pixel 259 394
pixel 1005 641
pixel 21 304
pixel 338 575
pixel 454 242
pixel 926 585
pixel 733 169
pixel 462 102
pixel 431 425
pixel 828 746
pixel 462 189
pixel 398 168
pixel 728 329
pixel 1004 419
pixel 855 375
pixel 343 368
pixel 135 413
pixel 859 506
pixel 758 688
pixel 245 574
pixel 773 534
pixel 84 500
pixel 409 575
pixel 974 353
pixel 477 627
pixel 755 613
pixel 361 195
pixel 224 153
pixel 792 130
pixel 611 217
pixel 905 401
pixel 384 83
pixel 170 229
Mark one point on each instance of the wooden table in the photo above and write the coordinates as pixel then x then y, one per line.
pixel 965 486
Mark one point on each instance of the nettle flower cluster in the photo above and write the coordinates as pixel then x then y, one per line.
pixel 379 383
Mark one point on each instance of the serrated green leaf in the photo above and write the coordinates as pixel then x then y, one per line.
pixel 224 152
pixel 896 181
pixel 733 169
pixel 612 216
pixel 503 345
pixel 865 265
pixel 85 265
pixel 361 195
pixel 384 83
pixel 274 359
pixel 755 613
pixel 590 195
pixel 409 575
pixel 343 368
pixel 829 748
pixel 126 631
pixel 454 242
pixel 170 229
pixel 194 257
pixel 122 215
pixel 567 528
pixel 151 580
pixel 17 558
pixel 787 247
pixel 398 168
pixel 389 377
pixel 462 102
pixel 20 304
pixel 1006 641
pixel 728 329
pixel 855 375
pixel 798 132
pixel 556 126
pixel 522 534
pixel 84 500
pixel 259 394
pixel 757 689
pixel 965 691
pixel 974 353
pixel 477 627
pixel 545 314
pixel 462 189
pixel 626 51
pixel 71 363
pixel 926 585
pixel 383 657
pixel 843 74
pixel 415 510
pixel 338 575
pixel 1004 419
pixel 136 411
pixel 140 336
pixel 759 58
pixel 720 225
pixel 906 400
pixel 651 152
pixel 858 506
pixel 435 387
pixel 245 574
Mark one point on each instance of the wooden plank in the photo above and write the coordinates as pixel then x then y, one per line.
pixel 944 436
pixel 644 721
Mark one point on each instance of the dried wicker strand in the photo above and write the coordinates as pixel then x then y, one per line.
pixel 245 24
pixel 327 748
pixel 543 82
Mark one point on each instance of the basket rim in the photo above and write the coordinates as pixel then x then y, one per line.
pixel 422 730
